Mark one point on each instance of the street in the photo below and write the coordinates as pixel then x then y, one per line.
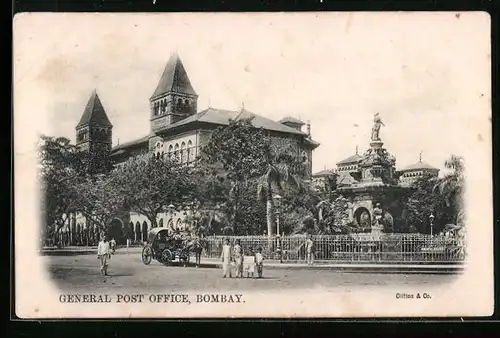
pixel 128 273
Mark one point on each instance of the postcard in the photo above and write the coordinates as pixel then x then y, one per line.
pixel 216 165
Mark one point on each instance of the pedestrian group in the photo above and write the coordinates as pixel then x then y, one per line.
pixel 235 257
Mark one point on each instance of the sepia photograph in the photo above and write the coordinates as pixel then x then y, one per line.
pixel 190 165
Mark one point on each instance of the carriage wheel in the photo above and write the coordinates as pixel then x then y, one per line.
pixel 147 254
pixel 166 257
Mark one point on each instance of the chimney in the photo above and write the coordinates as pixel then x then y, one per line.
pixel 308 128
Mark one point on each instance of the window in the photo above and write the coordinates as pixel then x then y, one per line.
pixel 190 152
pixel 163 106
pixel 177 154
pixel 183 153
pixel 178 225
pixel 171 152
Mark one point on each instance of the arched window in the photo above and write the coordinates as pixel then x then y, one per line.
pixel 190 152
pixel 178 225
pixel 171 152
pixel 177 154
pixel 170 224
pixel 163 106
pixel 160 224
pixel 183 153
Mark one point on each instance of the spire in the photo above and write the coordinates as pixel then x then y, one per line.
pixel 242 107
pixel 174 78
pixel 420 158
pixel 356 149
pixel 94 112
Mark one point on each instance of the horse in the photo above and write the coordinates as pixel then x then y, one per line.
pixel 196 245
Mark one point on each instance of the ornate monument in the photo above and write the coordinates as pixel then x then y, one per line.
pixel 373 194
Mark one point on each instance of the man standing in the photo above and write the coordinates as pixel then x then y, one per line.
pixel 309 250
pixel 238 257
pixel 103 254
pixel 112 245
pixel 226 259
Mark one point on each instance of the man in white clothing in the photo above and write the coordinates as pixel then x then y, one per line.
pixel 226 259
pixel 103 254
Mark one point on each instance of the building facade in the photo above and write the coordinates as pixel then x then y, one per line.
pixel 179 131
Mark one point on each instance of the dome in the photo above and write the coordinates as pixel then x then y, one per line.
pixel 419 166
pixel 351 159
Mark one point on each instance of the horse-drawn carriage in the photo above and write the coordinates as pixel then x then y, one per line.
pixel 164 248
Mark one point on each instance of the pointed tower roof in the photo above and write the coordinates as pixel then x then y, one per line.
pixel 174 78
pixel 94 112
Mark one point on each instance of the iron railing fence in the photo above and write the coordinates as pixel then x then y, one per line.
pixel 390 248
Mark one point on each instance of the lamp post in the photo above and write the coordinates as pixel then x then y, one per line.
pixel 278 237
pixel 431 219
pixel 277 198
pixel 277 223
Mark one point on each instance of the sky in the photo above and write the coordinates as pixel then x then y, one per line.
pixel 427 74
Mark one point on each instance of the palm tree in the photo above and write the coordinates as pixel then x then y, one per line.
pixel 451 186
pixel 282 171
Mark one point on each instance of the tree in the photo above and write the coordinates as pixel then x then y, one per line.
pixel 237 154
pixel 100 199
pixel 333 217
pixel 328 190
pixel 149 184
pixel 293 208
pixel 241 149
pixel 422 201
pixel 60 168
pixel 281 170
pixel 451 186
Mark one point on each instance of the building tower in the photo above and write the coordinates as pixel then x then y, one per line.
pixel 174 98
pixel 94 131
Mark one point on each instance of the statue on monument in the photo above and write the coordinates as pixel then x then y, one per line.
pixel 377 215
pixel 376 127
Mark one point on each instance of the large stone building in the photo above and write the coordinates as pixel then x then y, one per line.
pixel 178 130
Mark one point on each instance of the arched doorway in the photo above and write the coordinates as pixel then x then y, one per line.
pixel 137 231
pixel 115 230
pixel 144 231
pixel 362 217
pixel 130 234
